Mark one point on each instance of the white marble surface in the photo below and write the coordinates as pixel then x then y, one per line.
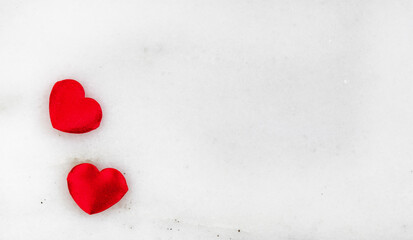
pixel 282 119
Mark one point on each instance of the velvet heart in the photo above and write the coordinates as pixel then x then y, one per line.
pixel 95 191
pixel 70 111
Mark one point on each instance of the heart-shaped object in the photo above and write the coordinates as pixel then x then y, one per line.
pixel 95 191
pixel 70 111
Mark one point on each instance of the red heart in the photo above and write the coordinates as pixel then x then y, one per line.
pixel 70 111
pixel 95 191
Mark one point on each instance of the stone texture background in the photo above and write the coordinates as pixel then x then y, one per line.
pixel 231 119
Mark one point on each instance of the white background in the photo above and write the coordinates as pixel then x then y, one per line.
pixel 282 119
